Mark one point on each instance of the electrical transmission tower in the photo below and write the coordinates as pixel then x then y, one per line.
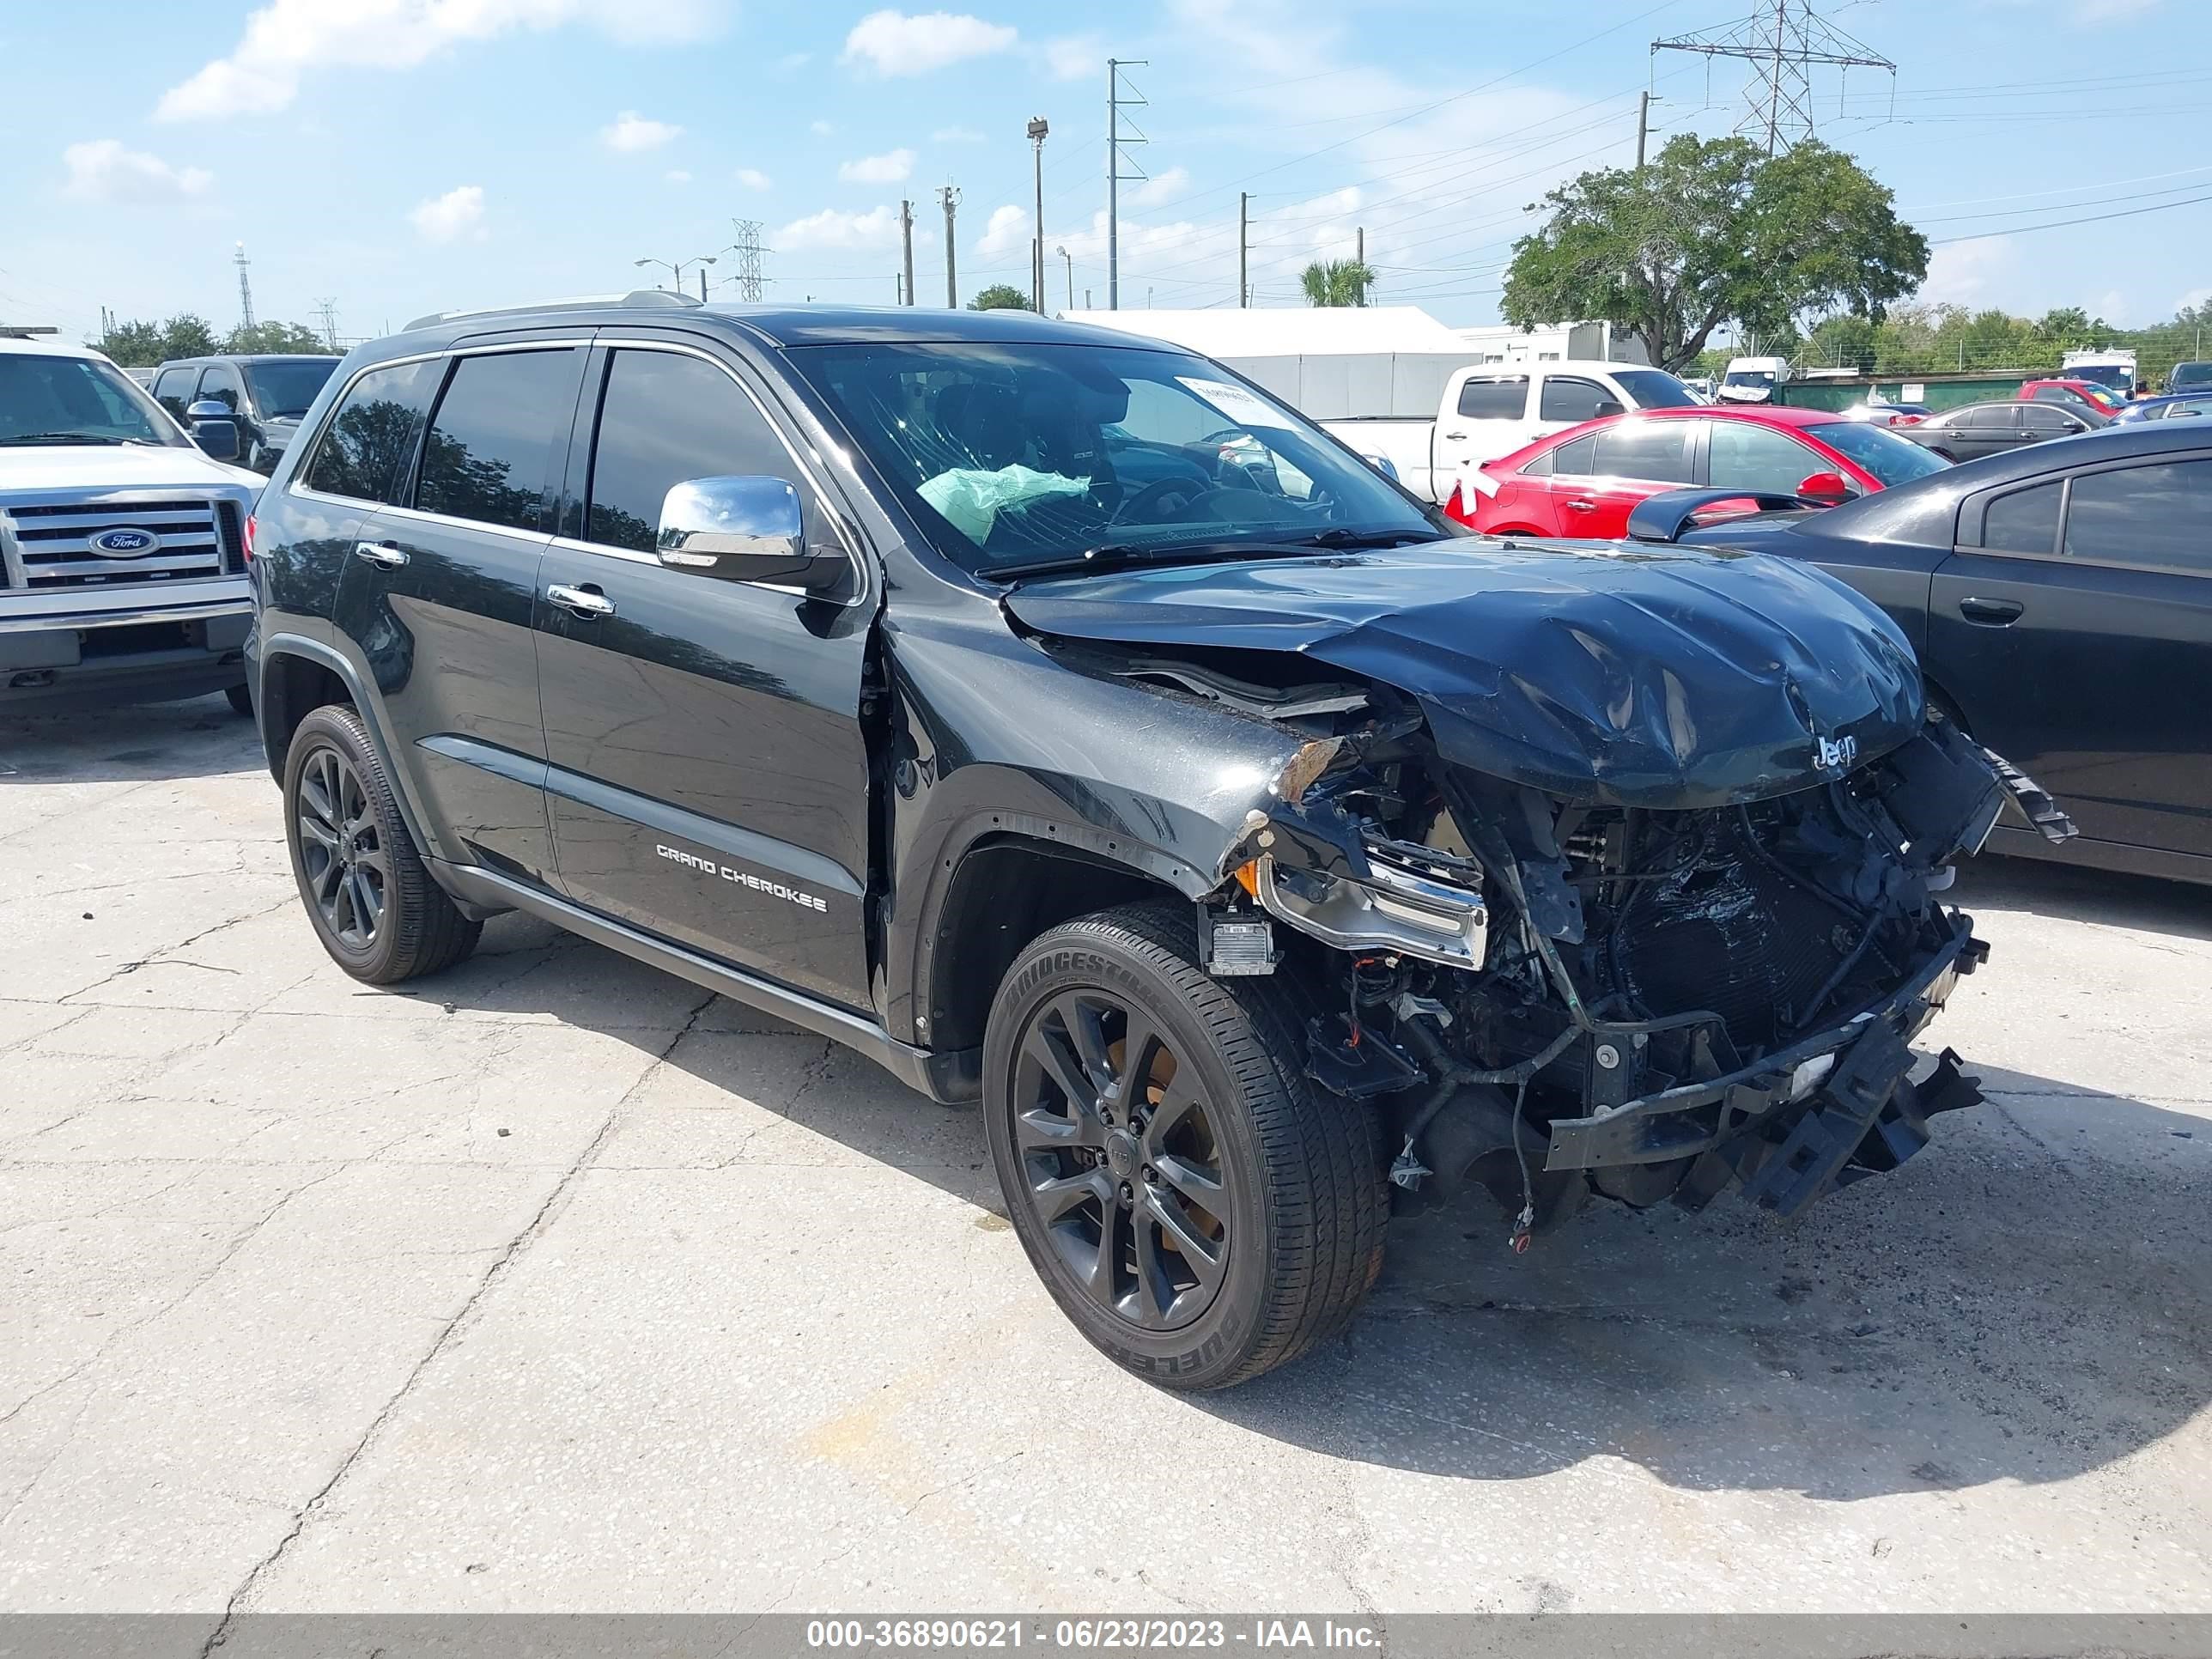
pixel 328 311
pixel 1116 141
pixel 750 253
pixel 1784 40
pixel 245 289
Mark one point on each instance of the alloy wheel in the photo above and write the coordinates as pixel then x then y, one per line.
pixel 1122 1168
pixel 348 866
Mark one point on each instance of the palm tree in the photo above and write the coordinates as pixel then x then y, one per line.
pixel 1337 282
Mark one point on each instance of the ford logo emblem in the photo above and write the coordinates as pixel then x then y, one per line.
pixel 125 543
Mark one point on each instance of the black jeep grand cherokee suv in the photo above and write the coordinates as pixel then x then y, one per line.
pixel 1064 723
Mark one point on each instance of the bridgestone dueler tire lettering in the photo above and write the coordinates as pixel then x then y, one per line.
pixel 422 932
pixel 1307 1189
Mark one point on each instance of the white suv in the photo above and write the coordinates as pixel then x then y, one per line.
pixel 123 545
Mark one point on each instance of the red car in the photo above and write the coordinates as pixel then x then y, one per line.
pixel 1587 480
pixel 2098 397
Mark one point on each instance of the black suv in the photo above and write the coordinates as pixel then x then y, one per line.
pixel 266 395
pixel 1064 722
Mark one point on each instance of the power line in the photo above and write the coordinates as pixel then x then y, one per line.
pixel 2059 224
pixel 1786 39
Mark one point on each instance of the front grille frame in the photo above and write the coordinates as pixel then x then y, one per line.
pixel 45 544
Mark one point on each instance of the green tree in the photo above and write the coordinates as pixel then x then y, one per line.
pixel 275 336
pixel 1337 282
pixel 999 296
pixel 187 335
pixel 1715 232
pixel 135 345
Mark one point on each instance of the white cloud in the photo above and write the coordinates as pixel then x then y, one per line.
pixel 676 176
pixel 458 213
pixel 792 62
pixel 287 37
pixel 103 171
pixel 820 129
pixel 631 132
pixel 1007 230
pixel 752 178
pixel 890 169
pixel 831 228
pixel 2195 299
pixel 1075 56
pixel 2114 306
pixel 1160 187
pixel 894 43
pixel 1961 273
pixel 956 136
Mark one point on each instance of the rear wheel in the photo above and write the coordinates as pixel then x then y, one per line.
pixel 1199 1210
pixel 371 900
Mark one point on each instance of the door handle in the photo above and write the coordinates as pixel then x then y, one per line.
pixel 1581 504
pixel 1992 613
pixel 1456 437
pixel 586 602
pixel 382 553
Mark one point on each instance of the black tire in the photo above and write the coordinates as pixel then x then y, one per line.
pixel 373 905
pixel 241 699
pixel 1302 1201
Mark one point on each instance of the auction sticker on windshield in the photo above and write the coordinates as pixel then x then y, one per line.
pixel 1235 402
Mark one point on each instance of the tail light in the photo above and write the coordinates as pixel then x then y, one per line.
pixel 249 538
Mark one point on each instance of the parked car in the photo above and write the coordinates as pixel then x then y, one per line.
pixel 1752 379
pixel 2060 601
pixel 1973 430
pixel 2074 393
pixel 2170 406
pixel 122 545
pixel 1585 481
pixel 1250 855
pixel 266 395
pixel 2191 376
pixel 1492 410
pixel 1888 414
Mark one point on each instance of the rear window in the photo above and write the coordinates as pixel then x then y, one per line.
pixel 1892 460
pixel 1574 459
pixel 491 444
pixel 1654 388
pixel 1657 450
pixel 364 451
pixel 1573 399
pixel 1494 400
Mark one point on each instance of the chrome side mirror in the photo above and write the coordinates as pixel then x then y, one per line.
pixel 741 529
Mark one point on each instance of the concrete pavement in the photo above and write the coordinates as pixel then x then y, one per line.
pixel 555 1283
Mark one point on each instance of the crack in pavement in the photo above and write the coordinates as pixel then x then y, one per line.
pixel 156 958
pixel 546 1213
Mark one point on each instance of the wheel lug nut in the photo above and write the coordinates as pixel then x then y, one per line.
pixel 1127 1195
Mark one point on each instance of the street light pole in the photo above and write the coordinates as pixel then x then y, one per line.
pixel 1069 257
pixel 676 268
pixel 1037 129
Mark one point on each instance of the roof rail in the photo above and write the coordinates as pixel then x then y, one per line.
pixel 636 299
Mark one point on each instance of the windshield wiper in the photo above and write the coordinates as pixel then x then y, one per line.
pixel 70 438
pixel 1113 555
pixel 1345 536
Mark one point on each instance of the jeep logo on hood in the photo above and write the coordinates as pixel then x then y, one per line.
pixel 124 543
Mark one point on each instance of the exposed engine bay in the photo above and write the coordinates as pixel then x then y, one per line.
pixel 1547 997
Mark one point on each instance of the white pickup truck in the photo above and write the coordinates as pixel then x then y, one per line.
pixel 1491 410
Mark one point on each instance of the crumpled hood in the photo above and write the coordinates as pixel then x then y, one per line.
pixel 1662 677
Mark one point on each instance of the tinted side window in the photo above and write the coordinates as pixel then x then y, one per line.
pixel 173 388
pixel 1656 450
pixel 2044 422
pixel 2142 515
pixel 364 451
pixel 1747 456
pixel 1504 400
pixel 2025 521
pixel 1988 417
pixel 1574 458
pixel 665 417
pixel 220 381
pixel 1568 399
pixel 492 441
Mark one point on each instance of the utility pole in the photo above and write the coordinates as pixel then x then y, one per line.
pixel 749 251
pixel 1244 240
pixel 1785 39
pixel 906 239
pixel 328 311
pixel 1115 104
pixel 951 198
pixel 1070 258
pixel 1359 244
pixel 1038 128
pixel 1643 125
pixel 245 289
pixel 898 286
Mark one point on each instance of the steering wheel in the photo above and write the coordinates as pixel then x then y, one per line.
pixel 1144 505
pixel 1262 479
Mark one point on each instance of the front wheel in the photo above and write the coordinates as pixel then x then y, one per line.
pixel 241 699
pixel 1199 1210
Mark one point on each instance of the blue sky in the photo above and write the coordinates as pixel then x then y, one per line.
pixel 398 156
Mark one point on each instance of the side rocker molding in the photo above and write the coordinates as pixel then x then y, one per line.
pixel 948 1076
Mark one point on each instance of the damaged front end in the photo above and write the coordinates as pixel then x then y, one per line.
pixel 1548 998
